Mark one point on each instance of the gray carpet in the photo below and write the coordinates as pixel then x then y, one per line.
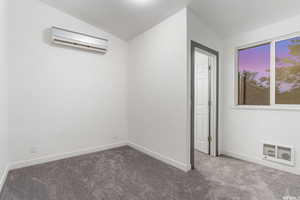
pixel 126 174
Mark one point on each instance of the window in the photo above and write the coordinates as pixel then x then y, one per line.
pixel 269 73
pixel 254 75
pixel 288 71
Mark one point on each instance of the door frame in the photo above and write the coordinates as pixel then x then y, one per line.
pixel 194 46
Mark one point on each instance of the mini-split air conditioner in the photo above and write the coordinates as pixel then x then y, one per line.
pixel 79 40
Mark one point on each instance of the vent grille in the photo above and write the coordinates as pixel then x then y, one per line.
pixel 278 153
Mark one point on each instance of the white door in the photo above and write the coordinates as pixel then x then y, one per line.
pixel 201 102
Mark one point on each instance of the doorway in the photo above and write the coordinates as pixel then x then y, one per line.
pixel 204 100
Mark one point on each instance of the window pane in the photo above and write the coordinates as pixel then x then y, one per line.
pixel 254 75
pixel 288 71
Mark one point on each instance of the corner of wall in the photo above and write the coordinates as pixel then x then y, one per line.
pixel 4 157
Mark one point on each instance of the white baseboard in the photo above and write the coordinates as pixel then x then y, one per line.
pixel 3 177
pixel 261 161
pixel 50 158
pixel 160 157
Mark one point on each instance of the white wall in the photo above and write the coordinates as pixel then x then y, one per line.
pixel 203 34
pixel 61 99
pixel 3 88
pixel 243 130
pixel 158 89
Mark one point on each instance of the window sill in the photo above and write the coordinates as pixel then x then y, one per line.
pixel 271 108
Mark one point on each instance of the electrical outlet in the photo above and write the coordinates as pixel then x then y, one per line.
pixel 33 150
pixel 115 138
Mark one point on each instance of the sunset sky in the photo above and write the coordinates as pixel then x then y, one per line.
pixel 282 51
pixel 257 59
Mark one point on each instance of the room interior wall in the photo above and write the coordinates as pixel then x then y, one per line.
pixel 61 99
pixel 3 90
pixel 200 32
pixel 158 89
pixel 204 35
pixel 244 130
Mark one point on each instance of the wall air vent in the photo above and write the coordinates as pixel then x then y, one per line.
pixel 278 153
pixel 79 40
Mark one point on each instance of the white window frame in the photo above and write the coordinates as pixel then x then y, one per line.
pixel 273 105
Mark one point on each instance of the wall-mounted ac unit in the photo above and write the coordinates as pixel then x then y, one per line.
pixel 278 153
pixel 79 40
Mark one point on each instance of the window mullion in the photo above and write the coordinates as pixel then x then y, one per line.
pixel 272 74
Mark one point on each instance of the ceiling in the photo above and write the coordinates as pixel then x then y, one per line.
pixel 228 17
pixel 123 18
pixel 128 18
